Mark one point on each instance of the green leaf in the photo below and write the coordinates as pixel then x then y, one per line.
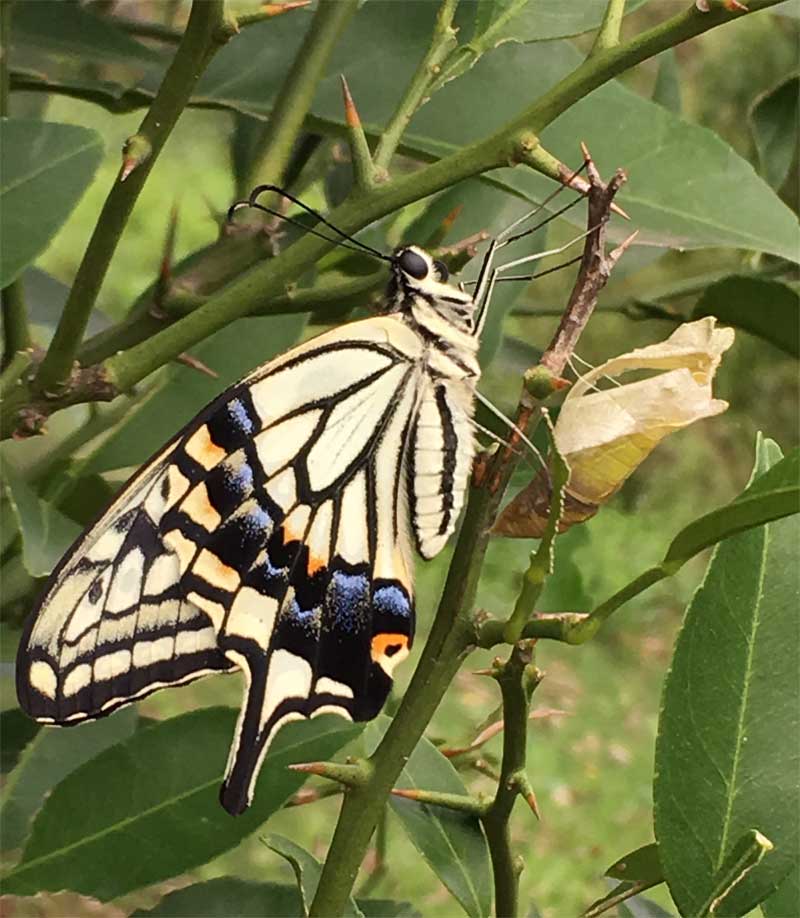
pixel 773 124
pixel 17 730
pixel 770 496
pixel 767 308
pixel 746 854
pixel 727 753
pixel 667 89
pixel 642 865
pixel 58 31
pixel 226 896
pixel 158 792
pixel 307 870
pixel 539 20
pixel 52 754
pixel 46 533
pixel 452 843
pixel 181 392
pixel 44 170
pixel 785 901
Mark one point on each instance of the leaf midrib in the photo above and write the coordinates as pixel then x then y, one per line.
pixel 51 164
pixel 732 792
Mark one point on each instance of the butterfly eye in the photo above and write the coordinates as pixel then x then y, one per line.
pixel 440 269
pixel 413 264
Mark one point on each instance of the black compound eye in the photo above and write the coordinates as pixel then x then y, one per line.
pixel 440 269
pixel 413 264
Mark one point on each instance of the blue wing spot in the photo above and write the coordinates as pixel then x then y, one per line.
pixel 257 521
pixel 392 602
pixel 240 417
pixel 348 594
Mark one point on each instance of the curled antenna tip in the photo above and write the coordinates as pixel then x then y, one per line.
pixel 350 110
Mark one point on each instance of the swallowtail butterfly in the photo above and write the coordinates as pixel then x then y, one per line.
pixel 274 533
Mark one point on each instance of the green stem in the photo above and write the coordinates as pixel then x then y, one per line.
pixel 517 678
pixel 16 333
pixel 197 46
pixel 12 374
pixel 610 28
pixel 297 91
pixel 5 45
pixel 442 41
pixel 329 292
pixel 554 626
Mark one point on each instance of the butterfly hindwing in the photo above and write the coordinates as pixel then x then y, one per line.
pixel 440 459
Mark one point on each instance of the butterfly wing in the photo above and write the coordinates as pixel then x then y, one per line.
pixel 269 535
pixel 441 451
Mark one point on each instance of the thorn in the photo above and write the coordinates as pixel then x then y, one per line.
pixel 167 258
pixel 360 155
pixel 135 151
pixel 278 9
pixel 613 257
pixel 351 775
pixel 578 183
pixel 350 111
pixel 407 794
pixel 523 785
pixel 195 364
pixel 462 802
pixel 533 803
pixel 307 795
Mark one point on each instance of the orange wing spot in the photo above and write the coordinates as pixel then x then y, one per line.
pixel 210 568
pixel 315 564
pixel 387 645
pixel 203 449
pixel 199 508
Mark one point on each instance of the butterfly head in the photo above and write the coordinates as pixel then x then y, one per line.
pixel 419 278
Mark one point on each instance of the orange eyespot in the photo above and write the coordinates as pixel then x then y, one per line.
pixel 387 645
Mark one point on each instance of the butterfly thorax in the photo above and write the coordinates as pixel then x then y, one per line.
pixel 440 313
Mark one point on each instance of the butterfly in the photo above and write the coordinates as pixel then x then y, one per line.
pixel 274 534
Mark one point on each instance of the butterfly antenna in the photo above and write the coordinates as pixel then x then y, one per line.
pixel 530 277
pixel 252 201
pixel 238 205
pixel 504 238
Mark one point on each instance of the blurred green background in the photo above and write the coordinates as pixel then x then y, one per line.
pixel 591 764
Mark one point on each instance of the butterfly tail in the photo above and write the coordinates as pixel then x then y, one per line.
pixel 250 743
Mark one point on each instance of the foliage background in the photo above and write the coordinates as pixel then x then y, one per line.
pixel 592 767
